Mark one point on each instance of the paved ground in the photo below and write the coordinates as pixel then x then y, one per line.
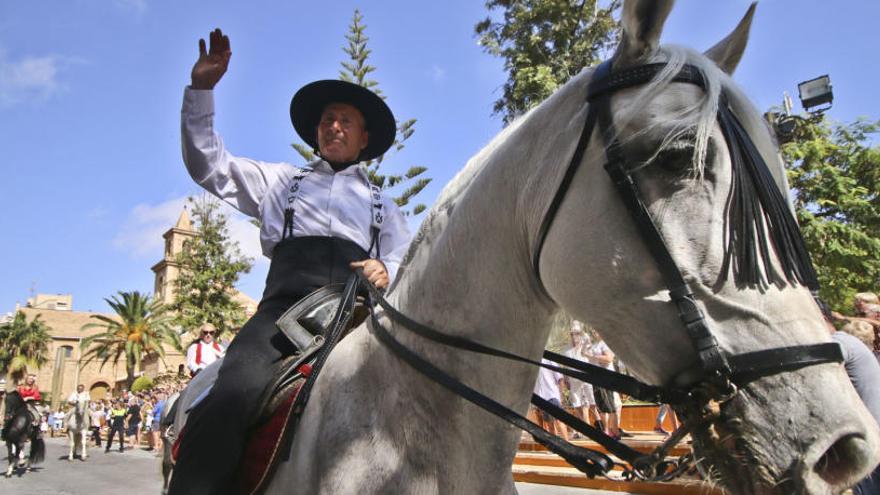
pixel 136 472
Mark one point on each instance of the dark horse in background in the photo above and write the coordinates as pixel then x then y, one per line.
pixel 18 427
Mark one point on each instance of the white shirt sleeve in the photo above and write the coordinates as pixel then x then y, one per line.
pixel 240 182
pixel 394 239
pixel 191 358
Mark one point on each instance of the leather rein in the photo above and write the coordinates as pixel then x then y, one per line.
pixel 718 375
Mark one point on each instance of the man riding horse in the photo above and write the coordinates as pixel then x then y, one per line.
pixel 317 224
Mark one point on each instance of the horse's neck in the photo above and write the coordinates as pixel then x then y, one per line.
pixel 468 278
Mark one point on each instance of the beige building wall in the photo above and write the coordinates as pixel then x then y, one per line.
pixel 65 367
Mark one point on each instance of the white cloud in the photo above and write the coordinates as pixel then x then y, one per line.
pixel 141 234
pixel 139 6
pixel 437 73
pixel 29 78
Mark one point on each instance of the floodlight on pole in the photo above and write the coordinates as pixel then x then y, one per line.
pixel 816 92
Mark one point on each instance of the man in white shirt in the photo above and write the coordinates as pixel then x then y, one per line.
pixel 204 351
pixel 78 395
pixel 317 223
pixel 547 387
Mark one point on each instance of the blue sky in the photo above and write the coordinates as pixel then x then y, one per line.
pixel 90 94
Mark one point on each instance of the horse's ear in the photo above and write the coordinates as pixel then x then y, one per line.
pixel 641 22
pixel 728 52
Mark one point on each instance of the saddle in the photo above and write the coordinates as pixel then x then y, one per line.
pixel 314 325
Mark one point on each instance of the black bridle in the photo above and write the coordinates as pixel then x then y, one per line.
pixel 699 391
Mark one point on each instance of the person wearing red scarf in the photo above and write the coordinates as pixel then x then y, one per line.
pixel 204 351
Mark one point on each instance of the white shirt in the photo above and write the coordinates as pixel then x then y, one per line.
pixel 598 349
pixel 328 204
pixel 77 397
pixel 547 386
pixel 209 355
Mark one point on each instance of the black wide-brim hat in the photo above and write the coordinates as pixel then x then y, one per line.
pixel 310 100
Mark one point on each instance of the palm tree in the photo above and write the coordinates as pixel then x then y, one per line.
pixel 23 346
pixel 141 327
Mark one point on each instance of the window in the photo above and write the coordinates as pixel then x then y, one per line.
pixel 67 351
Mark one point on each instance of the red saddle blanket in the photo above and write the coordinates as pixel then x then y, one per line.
pixel 262 447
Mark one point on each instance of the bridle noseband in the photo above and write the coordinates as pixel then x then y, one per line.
pixel 699 391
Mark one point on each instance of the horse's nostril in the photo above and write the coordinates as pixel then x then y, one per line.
pixel 841 461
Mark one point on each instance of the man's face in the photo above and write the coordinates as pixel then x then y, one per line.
pixel 341 133
pixel 80 388
pixel 207 333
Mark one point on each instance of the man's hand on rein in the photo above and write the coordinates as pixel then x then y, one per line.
pixel 374 271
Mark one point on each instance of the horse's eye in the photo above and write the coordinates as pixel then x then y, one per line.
pixel 677 156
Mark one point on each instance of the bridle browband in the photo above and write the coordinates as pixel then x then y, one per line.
pixel 700 391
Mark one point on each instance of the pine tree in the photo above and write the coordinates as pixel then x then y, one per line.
pixel 210 266
pixel 544 43
pixel 356 70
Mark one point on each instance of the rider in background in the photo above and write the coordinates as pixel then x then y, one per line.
pixel 30 393
pixel 79 395
pixel 204 351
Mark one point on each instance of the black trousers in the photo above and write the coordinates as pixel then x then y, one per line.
pixel 215 433
pixel 96 435
pixel 113 430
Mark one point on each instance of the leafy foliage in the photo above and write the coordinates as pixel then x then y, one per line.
pixel 544 43
pixel 835 174
pixel 23 345
pixel 140 329
pixel 210 265
pixel 357 70
pixel 142 383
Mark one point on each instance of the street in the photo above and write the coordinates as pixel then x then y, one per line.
pixel 137 472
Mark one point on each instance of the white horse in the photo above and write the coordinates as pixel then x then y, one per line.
pixel 78 421
pixel 374 425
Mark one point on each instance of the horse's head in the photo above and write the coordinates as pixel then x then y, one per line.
pixel 727 228
pixel 13 403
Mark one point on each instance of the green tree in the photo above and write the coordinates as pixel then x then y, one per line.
pixel 138 332
pixel 544 43
pixel 356 70
pixel 23 345
pixel 835 174
pixel 210 266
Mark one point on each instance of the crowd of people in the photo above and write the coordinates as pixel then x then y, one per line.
pixel 133 417
pixel 602 408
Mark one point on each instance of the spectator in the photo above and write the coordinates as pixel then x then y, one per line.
pixel 607 401
pixel 580 394
pixel 547 387
pixel 157 419
pixel 133 418
pixel 58 421
pixel 97 422
pixel 661 415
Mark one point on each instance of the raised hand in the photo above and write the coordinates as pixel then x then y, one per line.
pixel 211 65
